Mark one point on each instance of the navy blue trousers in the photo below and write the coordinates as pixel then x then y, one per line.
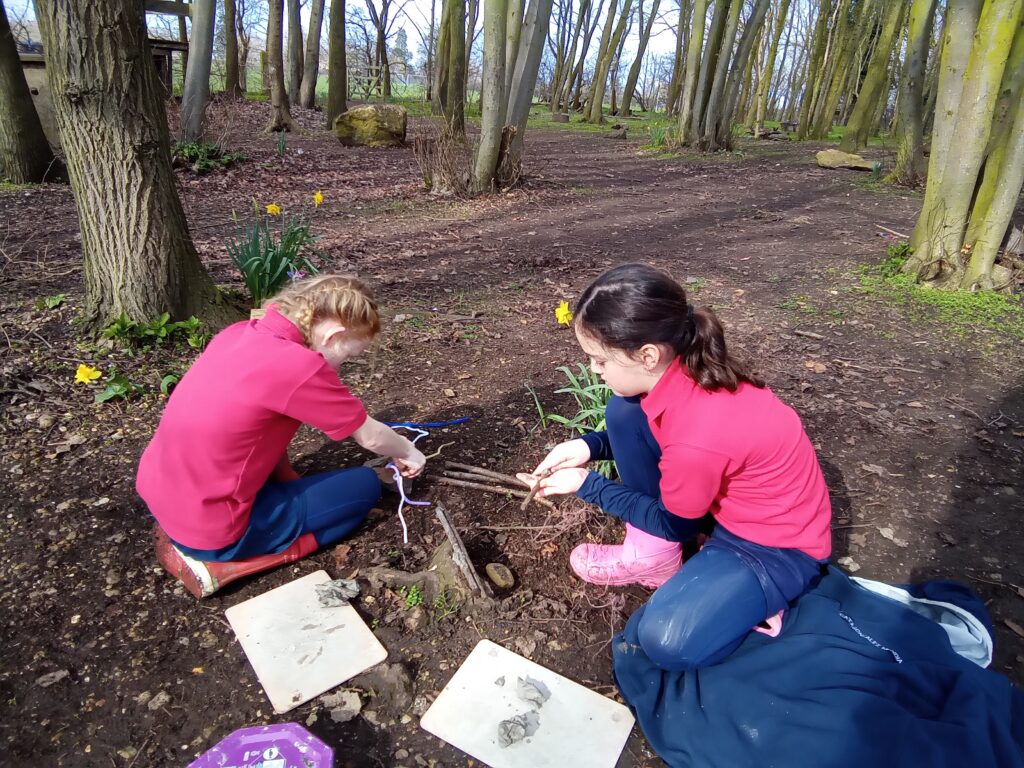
pixel 330 505
pixel 700 615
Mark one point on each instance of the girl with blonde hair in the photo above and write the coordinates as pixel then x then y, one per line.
pixel 216 474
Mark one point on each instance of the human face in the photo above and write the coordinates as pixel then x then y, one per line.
pixel 332 340
pixel 627 376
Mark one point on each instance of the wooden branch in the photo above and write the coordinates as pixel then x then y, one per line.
pixel 491 489
pixel 168 8
pixel 460 555
pixel 533 491
pixel 486 473
pixel 809 335
pixel 893 232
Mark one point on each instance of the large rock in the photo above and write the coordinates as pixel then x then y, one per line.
pixel 833 158
pixel 372 125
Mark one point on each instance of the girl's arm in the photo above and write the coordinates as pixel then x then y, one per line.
pixel 645 512
pixel 381 439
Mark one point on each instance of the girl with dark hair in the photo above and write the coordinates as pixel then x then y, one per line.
pixel 698 442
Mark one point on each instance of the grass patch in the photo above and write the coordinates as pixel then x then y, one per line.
pixel 961 311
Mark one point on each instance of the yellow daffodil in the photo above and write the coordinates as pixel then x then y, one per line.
pixel 86 374
pixel 274 209
pixel 563 314
pixel 318 197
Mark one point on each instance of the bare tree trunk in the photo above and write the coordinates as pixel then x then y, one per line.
pixel 513 31
pixel 596 110
pixel 558 87
pixel 722 138
pixel 138 256
pixel 197 83
pixel 763 86
pixel 862 119
pixel 575 83
pixel 183 38
pixel 430 54
pixel 337 76
pixel 294 50
pixel 455 111
pixel 281 115
pixel 715 99
pixel 493 97
pixel 25 154
pixel 814 72
pixel 693 58
pixel 311 61
pixel 232 86
pixel 440 75
pixel 675 84
pixel 471 18
pixel 634 71
pixel 705 76
pixel 910 165
pixel 972 72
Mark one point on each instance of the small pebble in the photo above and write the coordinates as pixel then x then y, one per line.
pixel 500 575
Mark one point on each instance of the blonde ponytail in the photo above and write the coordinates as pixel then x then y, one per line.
pixel 329 297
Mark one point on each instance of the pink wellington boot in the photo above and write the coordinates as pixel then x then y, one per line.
pixel 640 559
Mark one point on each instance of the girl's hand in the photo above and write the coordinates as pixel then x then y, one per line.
pixel 562 482
pixel 412 464
pixel 571 453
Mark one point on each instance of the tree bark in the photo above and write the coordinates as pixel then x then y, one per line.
pixel 25 154
pixel 675 84
pixel 337 76
pixel 311 61
pixel 558 87
pixel 769 69
pixel 708 63
pixel 862 119
pixel 575 83
pixel 524 79
pixel 455 106
pixel 817 56
pixel 138 256
pixel 596 111
pixel 294 50
pixel 938 237
pixel 685 131
pixel 513 31
pixel 634 71
pixel 722 128
pixel 197 82
pixel 715 100
pixel 493 97
pixel 471 19
pixel 232 86
pixel 440 88
pixel 910 165
pixel 281 116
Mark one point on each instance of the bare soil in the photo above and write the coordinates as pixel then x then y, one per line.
pixel 106 661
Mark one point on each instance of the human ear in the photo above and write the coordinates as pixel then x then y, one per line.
pixel 651 356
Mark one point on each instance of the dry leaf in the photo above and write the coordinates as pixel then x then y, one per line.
pixel 449 392
pixel 866 404
pixel 341 555
pixel 890 534
pixel 814 365
pixel 549 549
pixel 914 404
pixel 948 540
pixel 1017 628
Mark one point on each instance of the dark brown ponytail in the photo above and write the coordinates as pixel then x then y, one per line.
pixel 636 304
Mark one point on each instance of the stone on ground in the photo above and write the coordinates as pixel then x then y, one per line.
pixel 372 125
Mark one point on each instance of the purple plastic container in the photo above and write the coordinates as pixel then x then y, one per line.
pixel 282 745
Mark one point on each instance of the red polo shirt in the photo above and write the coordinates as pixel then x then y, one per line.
pixel 742 455
pixel 228 423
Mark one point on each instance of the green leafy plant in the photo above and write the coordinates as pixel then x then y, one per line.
pixel 167 383
pixel 445 605
pixel 204 157
pixel 591 396
pixel 412 595
pixel 268 262
pixel 282 143
pixel 159 330
pixel 117 386
pixel 50 302
pixel 659 136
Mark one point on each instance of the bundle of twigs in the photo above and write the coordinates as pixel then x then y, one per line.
pixel 467 476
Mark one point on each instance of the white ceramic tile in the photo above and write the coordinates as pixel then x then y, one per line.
pixel 577 727
pixel 298 648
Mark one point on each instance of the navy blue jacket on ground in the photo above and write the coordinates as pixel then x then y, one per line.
pixel 855 679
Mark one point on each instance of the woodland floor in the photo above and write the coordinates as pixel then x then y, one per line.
pixel 919 428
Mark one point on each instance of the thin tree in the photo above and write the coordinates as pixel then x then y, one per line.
pixel 281 115
pixel 876 82
pixel 337 77
pixel 25 154
pixel 910 166
pixel 232 84
pixel 492 101
pixel 139 258
pixel 311 61
pixel 610 45
pixel 769 69
pixel 634 70
pixel 196 92
pixel 685 131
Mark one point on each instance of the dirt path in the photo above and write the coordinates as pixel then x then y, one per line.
pixel 919 429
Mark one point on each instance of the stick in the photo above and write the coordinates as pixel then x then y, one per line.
pixel 893 232
pixel 459 554
pixel 533 491
pixel 485 472
pixel 809 335
pixel 438 451
pixel 491 488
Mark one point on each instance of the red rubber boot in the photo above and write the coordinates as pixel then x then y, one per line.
pixel 202 579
